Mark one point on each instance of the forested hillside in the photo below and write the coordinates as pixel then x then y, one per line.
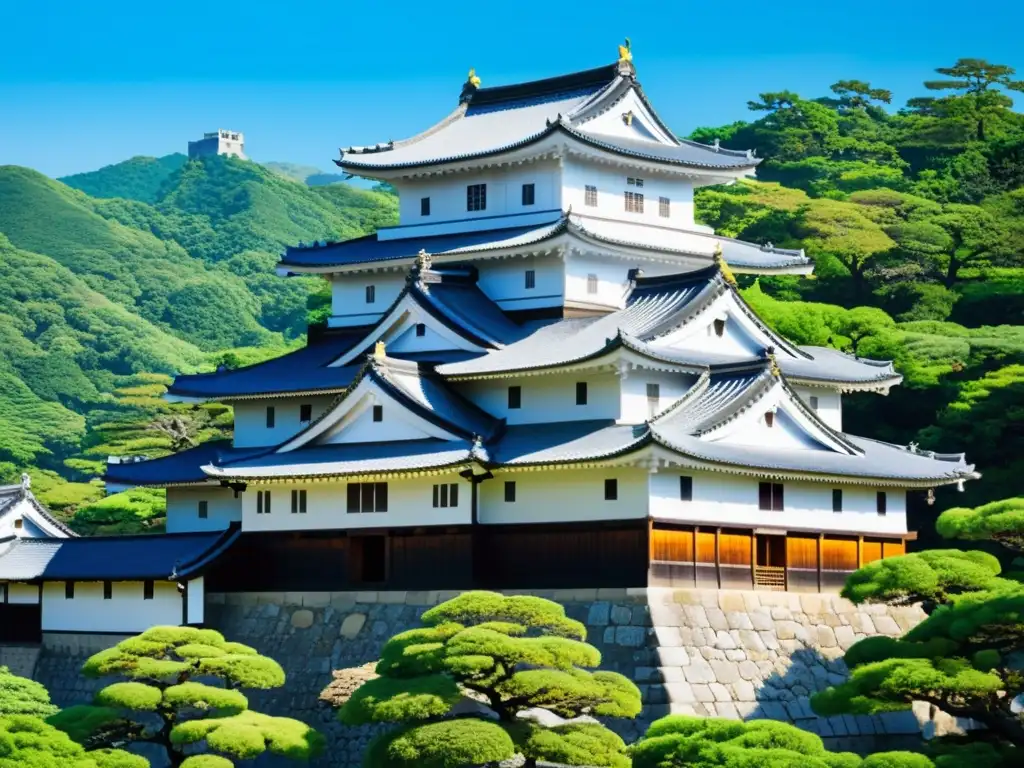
pixel 914 216
pixel 167 266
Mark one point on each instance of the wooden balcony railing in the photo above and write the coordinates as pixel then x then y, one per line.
pixel 770 577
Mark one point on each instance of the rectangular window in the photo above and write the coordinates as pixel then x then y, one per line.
pixel 305 413
pixel 262 502
pixel 634 182
pixel 446 495
pixel 653 400
pixel 424 206
pixel 634 202
pixel 147 590
pixel 371 294
pixel 271 417
pixel 515 397
pixel 510 490
pixel 421 330
pixel 581 393
pixel 476 197
pixel 880 502
pixel 590 196
pixel 529 194
pixel 814 402
pixel 108 590
pixel 298 502
pixel 367 497
pixel 837 499
pixel 531 278
pixel 611 489
pixel 664 207
pixel 591 284
pixel 685 488
pixel 378 413
pixel 69 590
pixel 204 510
pixel 769 497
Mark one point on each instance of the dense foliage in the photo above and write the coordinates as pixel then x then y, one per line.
pixel 20 696
pixel 183 689
pixel 29 742
pixel 964 658
pixel 464 689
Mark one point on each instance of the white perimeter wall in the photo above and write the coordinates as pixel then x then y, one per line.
pixel 410 503
pixel 547 399
pixel 251 419
pixel 564 496
pixel 348 296
pixel 126 611
pixel 611 186
pixel 183 509
pixel 729 500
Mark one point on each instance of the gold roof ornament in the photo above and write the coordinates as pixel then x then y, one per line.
pixel 727 274
pixel 379 350
pixel 626 51
pixel 776 371
pixel 423 260
pixel 472 79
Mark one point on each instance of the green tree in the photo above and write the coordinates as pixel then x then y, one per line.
pixel 498 658
pixel 679 741
pixel 978 83
pixel 163 667
pixel 858 94
pixel 962 659
pixel 21 696
pixel 29 742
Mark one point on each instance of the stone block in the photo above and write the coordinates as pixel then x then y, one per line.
pixel 302 619
pixel 679 693
pixel 668 637
pixel 716 619
pixel 611 593
pixel 671 674
pixel 724 641
pixel 816 604
pixel 730 601
pixel 720 692
pixel 861 622
pixel 630 637
pixel 666 615
pixel 702 692
pixel 609 636
pixel 773 710
pixel 748 670
pixel 747 710
pixel 743 690
pixel 599 614
pixel 725 671
pixel 735 655
pixel 761 620
pixel 392 597
pixel 738 620
pixel 699 671
pixel 620 614
pixel 696 616
pixel 686 597
pixel 825 637
pixel 887 625
pixel 751 640
pixel 682 709
pixel 770 640
pixel 782 613
pixel 673 657
pixel 316 599
pixel 366 597
pixel 786 629
pixel 352 625
pixel 845 637
pixel 419 599
pixel 646 675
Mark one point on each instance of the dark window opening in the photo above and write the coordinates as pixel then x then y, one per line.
pixel 634 202
pixel 769 419
pixel 204 510
pixel 590 196
pixel 685 488
pixel 531 278
pixel 446 495
pixel 371 294
pixel 581 393
pixel 510 490
pixel 664 207
pixel 770 497
pixel 529 194
pixel 147 590
pixel 378 413
pixel 719 327
pixel 19 523
pixel 476 197
pixel 837 499
pixel 263 502
pixel 591 284
pixel 108 590
pixel 653 399
pixel 632 182
pixel 271 417
pixel 421 329
pixel 69 590
pixel 611 489
pixel 515 397
pixel 424 206
pixel 814 402
pixel 367 497
pixel 880 502
pixel 305 413
pixel 298 502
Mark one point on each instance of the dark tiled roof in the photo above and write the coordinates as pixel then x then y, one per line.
pixel 163 556
pixel 178 468
pixel 517 95
pixel 565 442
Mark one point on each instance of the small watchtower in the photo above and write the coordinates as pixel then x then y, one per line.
pixel 220 142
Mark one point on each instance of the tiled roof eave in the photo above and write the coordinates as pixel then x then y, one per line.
pixel 848 385
pixel 285 476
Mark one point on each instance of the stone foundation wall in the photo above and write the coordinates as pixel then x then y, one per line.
pixel 20 659
pixel 706 652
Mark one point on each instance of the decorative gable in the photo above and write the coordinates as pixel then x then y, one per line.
pixel 627 118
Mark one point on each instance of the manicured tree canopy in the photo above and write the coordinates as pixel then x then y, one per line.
pixel 160 664
pixel 21 696
pixel 495 657
pixel 1001 521
pixel 679 741
pixel 29 742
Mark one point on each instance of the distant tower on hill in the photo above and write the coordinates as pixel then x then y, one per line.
pixel 222 142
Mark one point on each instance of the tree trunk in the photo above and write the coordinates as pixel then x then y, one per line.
pixel 952 271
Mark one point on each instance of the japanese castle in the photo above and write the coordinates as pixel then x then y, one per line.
pixel 543 377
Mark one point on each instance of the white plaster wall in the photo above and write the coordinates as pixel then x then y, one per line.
pixel 358 426
pixel 183 509
pixel 504 193
pixel 435 337
pixel 564 496
pixel 740 336
pixel 348 296
pixel 196 601
pixel 643 126
pixel 410 503
pixel 23 594
pixel 24 512
pixel 751 428
pixel 125 612
pixel 633 407
pixel 720 499
pixel 830 404
pixel 547 399
pixel 504 281
pixel 611 275
pixel 611 184
pixel 251 419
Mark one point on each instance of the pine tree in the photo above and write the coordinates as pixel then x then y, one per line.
pixel 466 689
pixel 29 742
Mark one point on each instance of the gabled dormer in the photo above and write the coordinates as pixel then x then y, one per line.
pixel 22 516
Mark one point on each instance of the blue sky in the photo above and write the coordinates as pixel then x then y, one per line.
pixel 85 84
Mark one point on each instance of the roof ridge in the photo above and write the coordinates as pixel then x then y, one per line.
pixel 547 86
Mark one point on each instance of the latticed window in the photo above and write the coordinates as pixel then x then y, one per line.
pixel 633 182
pixel 476 197
pixel 653 399
pixel 367 497
pixel 529 194
pixel 591 283
pixel 262 502
pixel 590 196
pixel 446 495
pixel 530 280
pixel 371 294
pixel 298 502
pixel 664 207
pixel 770 497
pixel 634 202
